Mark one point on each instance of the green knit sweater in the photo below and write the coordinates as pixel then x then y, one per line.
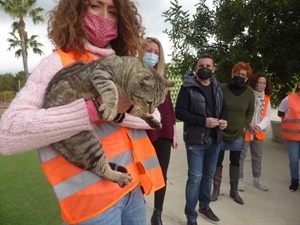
pixel 240 112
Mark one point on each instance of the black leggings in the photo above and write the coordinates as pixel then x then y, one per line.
pixel 234 158
pixel 163 151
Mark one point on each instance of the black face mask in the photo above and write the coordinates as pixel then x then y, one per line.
pixel 204 73
pixel 238 81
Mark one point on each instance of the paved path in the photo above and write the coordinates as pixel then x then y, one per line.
pixel 278 206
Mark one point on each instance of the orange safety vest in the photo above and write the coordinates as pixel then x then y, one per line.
pixel 260 136
pixel 82 194
pixel 291 123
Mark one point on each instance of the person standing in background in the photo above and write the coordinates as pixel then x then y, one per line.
pixel 256 133
pixel 166 137
pixel 289 111
pixel 85 31
pixel 201 107
pixel 240 100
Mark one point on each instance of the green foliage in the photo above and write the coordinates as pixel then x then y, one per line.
pixel 175 89
pixel 30 43
pixel 189 36
pixel 263 33
pixel 26 197
pixel 18 11
pixel 11 83
pixel 7 96
pixel 6 82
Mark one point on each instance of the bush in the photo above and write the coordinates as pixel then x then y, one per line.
pixel 7 96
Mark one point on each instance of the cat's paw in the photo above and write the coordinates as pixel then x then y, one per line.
pixel 125 179
pixel 122 177
pixel 107 112
pixel 153 122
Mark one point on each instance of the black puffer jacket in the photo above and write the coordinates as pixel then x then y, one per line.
pixel 191 108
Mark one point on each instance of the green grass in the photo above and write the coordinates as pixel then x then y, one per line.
pixel 26 197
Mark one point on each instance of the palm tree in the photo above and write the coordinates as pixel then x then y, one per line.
pixel 15 42
pixel 18 10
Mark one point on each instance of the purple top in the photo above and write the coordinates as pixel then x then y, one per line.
pixel 167 119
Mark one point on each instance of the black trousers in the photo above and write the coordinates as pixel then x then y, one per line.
pixel 163 151
pixel 234 158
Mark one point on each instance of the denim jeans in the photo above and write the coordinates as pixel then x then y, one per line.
pixel 237 145
pixel 130 210
pixel 202 161
pixel 293 148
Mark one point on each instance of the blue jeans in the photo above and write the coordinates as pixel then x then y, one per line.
pixel 293 148
pixel 130 210
pixel 202 162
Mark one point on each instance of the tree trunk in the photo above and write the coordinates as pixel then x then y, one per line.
pixel 23 47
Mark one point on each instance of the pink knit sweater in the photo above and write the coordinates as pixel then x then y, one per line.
pixel 25 125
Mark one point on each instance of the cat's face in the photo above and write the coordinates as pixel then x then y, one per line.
pixel 148 89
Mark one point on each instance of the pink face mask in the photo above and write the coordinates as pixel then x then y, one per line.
pixel 99 30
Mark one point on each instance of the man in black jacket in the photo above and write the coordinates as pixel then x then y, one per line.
pixel 200 105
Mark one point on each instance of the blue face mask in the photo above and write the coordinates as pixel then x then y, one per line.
pixel 150 59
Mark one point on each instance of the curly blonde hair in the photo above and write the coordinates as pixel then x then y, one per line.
pixel 66 29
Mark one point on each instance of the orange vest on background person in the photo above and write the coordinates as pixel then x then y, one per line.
pixel 82 194
pixel 291 123
pixel 260 136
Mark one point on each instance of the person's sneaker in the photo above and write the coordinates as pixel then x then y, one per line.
pixel 258 183
pixel 241 185
pixel 209 215
pixel 191 223
pixel 294 185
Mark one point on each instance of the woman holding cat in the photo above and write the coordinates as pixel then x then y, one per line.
pixel 165 138
pixel 85 30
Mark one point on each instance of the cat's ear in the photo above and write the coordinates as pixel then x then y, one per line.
pixel 146 80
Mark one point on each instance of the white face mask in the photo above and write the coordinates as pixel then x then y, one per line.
pixel 150 59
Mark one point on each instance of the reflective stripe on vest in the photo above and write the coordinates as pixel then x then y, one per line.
pixel 83 179
pixel 83 194
pixel 261 135
pixel 74 186
pixel 291 123
pixel 147 161
pixel 151 178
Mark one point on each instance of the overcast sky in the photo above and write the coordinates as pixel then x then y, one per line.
pixel 150 10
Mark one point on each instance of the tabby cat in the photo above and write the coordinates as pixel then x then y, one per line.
pixel 109 78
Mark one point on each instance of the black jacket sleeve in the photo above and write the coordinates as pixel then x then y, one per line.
pixel 182 111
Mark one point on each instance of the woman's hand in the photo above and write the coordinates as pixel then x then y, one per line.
pixel 175 139
pixel 256 129
pixel 222 124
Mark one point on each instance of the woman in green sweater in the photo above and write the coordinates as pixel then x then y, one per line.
pixel 240 103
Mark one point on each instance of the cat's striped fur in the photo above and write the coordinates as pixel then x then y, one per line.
pixel 109 78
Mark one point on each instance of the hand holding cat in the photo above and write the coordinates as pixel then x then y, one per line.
pixel 92 111
pixel 123 105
